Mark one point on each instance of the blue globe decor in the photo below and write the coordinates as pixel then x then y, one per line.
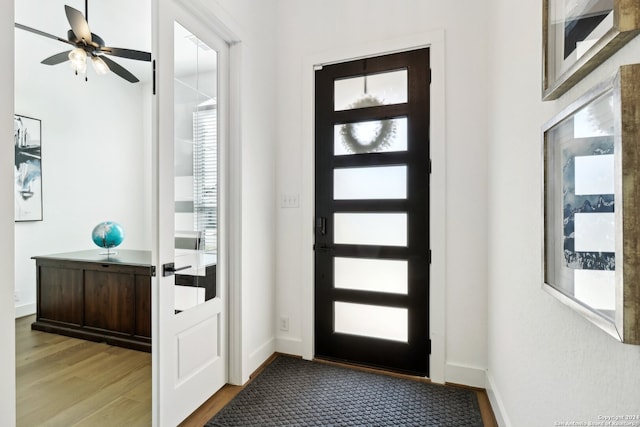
pixel 108 234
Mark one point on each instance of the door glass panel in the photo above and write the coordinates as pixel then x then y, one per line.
pixel 376 275
pixel 385 182
pixel 371 90
pixel 389 229
pixel 195 157
pixel 377 136
pixel 374 321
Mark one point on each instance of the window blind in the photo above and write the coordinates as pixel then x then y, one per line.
pixel 205 174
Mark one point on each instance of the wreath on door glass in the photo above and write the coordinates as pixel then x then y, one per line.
pixel 382 137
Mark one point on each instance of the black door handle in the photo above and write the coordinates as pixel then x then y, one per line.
pixel 169 269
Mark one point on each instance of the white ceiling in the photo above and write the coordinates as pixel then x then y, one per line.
pixel 120 23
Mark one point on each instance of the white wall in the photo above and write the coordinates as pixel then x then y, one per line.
pixel 547 364
pixel 308 28
pixel 7 330
pixel 94 165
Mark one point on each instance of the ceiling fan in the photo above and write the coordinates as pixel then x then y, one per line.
pixel 87 45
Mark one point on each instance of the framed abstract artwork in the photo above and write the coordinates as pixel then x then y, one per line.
pixel 578 35
pixel 27 138
pixel 592 205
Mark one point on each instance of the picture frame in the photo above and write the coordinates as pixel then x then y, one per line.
pixel 591 246
pixel 27 135
pixel 578 35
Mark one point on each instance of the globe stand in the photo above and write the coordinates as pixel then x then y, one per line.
pixel 109 252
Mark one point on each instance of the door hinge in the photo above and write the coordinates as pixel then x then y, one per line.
pixel 430 167
pixel 429 256
pixel 153 271
pixel 429 345
pixel 323 247
pixel 153 77
pixel 321 226
pixel 429 75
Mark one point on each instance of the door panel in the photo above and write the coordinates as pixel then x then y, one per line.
pixel 388 87
pixel 397 141
pixel 375 275
pixel 382 229
pixel 372 192
pixel 373 321
pixel 380 182
pixel 198 346
pixel 189 344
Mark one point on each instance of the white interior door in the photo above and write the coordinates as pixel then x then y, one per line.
pixel 189 335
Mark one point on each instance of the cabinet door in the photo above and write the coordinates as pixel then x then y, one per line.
pixel 109 301
pixel 60 295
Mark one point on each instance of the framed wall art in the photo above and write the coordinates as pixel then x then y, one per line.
pixel 578 35
pixel 27 136
pixel 592 205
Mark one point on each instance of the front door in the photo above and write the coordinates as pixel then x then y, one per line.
pixel 372 211
pixel 190 293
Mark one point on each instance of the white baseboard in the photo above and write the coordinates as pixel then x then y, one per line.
pixel 258 357
pixel 25 310
pixel 496 403
pixel 465 375
pixel 291 346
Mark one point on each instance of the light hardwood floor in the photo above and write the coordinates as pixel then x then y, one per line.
pixel 69 382
pixel 66 382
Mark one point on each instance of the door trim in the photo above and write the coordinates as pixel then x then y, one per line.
pixel 435 41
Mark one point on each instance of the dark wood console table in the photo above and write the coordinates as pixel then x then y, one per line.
pixel 96 297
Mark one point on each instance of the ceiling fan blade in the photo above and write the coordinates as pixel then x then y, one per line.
pixel 79 25
pixel 42 33
pixel 119 70
pixel 56 59
pixel 127 53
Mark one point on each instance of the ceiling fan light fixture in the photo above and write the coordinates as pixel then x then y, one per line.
pixel 88 45
pixel 100 67
pixel 78 58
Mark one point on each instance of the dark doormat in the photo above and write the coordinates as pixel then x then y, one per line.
pixel 295 392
